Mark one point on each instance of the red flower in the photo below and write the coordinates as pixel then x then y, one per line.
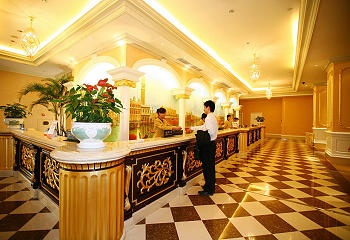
pixel 110 100
pixel 105 95
pixel 90 88
pixel 103 83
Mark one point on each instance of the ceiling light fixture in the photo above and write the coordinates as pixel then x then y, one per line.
pixel 254 70
pixel 268 91
pixel 29 40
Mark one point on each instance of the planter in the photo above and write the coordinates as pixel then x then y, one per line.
pixel 91 135
pixel 13 123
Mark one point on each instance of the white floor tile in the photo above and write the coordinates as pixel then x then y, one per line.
pixel 249 226
pixel 299 221
pixel 192 230
pixel 41 221
pixel 209 212
pixel 162 215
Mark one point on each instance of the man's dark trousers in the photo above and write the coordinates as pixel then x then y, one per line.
pixel 207 156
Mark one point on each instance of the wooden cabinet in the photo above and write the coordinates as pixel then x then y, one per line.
pixel 7 152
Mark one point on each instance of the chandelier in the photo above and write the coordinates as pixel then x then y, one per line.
pixel 29 40
pixel 268 91
pixel 254 70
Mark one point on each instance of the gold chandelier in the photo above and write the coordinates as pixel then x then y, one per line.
pixel 254 70
pixel 29 40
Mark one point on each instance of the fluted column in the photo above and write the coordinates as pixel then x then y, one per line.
pixel 125 78
pixel 319 116
pixel 338 114
pixel 182 94
pixel 91 192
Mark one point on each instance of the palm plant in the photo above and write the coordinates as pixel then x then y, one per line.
pixel 50 91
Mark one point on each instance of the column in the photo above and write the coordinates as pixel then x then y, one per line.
pixel 91 192
pixel 226 107
pixel 125 78
pixel 338 114
pixel 319 116
pixel 182 94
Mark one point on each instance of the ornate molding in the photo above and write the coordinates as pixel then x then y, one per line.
pixel 28 158
pixel 157 175
pixel 127 204
pixel 51 172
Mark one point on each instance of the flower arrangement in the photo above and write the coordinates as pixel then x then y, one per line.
pixel 92 103
pixel 15 110
pixel 259 119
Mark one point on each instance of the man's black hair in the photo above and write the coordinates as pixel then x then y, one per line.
pixel 210 104
pixel 161 110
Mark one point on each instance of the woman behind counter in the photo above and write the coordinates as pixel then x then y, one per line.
pixel 160 124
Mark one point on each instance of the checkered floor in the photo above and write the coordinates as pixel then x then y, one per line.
pixel 279 191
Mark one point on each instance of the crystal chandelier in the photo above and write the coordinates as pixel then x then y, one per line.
pixel 29 40
pixel 254 70
pixel 268 91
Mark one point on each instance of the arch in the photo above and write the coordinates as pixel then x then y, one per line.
pixel 104 63
pixel 159 63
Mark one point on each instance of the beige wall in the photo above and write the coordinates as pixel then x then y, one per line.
pixel 10 84
pixel 283 115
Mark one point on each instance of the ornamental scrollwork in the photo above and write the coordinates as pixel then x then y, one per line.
pixel 219 150
pixel 28 158
pixel 51 172
pixel 192 163
pixel 230 144
pixel 157 174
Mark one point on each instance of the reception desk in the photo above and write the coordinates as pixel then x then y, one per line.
pixel 151 169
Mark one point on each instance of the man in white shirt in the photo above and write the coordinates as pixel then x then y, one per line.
pixel 207 154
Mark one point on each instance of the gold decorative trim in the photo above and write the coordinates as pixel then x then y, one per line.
pixel 125 82
pixel 219 150
pixel 182 96
pixel 152 149
pixel 230 144
pixel 28 158
pixel 157 175
pixel 127 204
pixel 51 172
pixel 92 166
pixel 192 163
pixel 184 159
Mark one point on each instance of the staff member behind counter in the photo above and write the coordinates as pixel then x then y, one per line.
pixel 160 124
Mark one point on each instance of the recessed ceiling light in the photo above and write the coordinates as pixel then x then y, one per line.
pixel 231 11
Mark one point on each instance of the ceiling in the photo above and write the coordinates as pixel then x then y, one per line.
pixel 218 38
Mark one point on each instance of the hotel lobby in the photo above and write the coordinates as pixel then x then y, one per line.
pixel 284 62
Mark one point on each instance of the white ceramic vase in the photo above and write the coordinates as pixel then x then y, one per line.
pixel 91 135
pixel 13 123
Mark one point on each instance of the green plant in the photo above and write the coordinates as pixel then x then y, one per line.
pixel 259 119
pixel 92 103
pixel 15 110
pixel 50 93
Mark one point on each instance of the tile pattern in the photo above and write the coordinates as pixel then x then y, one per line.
pixel 21 216
pixel 281 190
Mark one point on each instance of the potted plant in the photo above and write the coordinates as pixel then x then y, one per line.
pixel 50 93
pixel 91 107
pixel 14 114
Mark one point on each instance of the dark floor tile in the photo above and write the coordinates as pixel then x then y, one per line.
pixel 229 174
pixel 6 194
pixel 280 185
pixel 161 231
pixel 57 226
pixel 3 185
pixel 181 214
pixel 200 200
pixel 218 189
pixel 262 237
pixel 313 192
pixel 221 229
pixel 320 234
pixel 274 223
pixel 243 185
pixel 9 206
pixel 279 194
pixel 222 181
pixel 141 222
pixel 30 235
pixel 242 197
pixel 281 178
pixel 233 210
pixel 309 183
pixel 45 210
pixel 252 179
pixel 13 222
pixel 315 202
pixel 322 219
pixel 277 206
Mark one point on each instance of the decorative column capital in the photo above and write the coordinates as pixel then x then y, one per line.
pixel 183 93
pixel 226 105
pixel 125 76
pixel 237 107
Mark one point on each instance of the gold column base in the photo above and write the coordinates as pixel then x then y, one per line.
pixel 91 201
